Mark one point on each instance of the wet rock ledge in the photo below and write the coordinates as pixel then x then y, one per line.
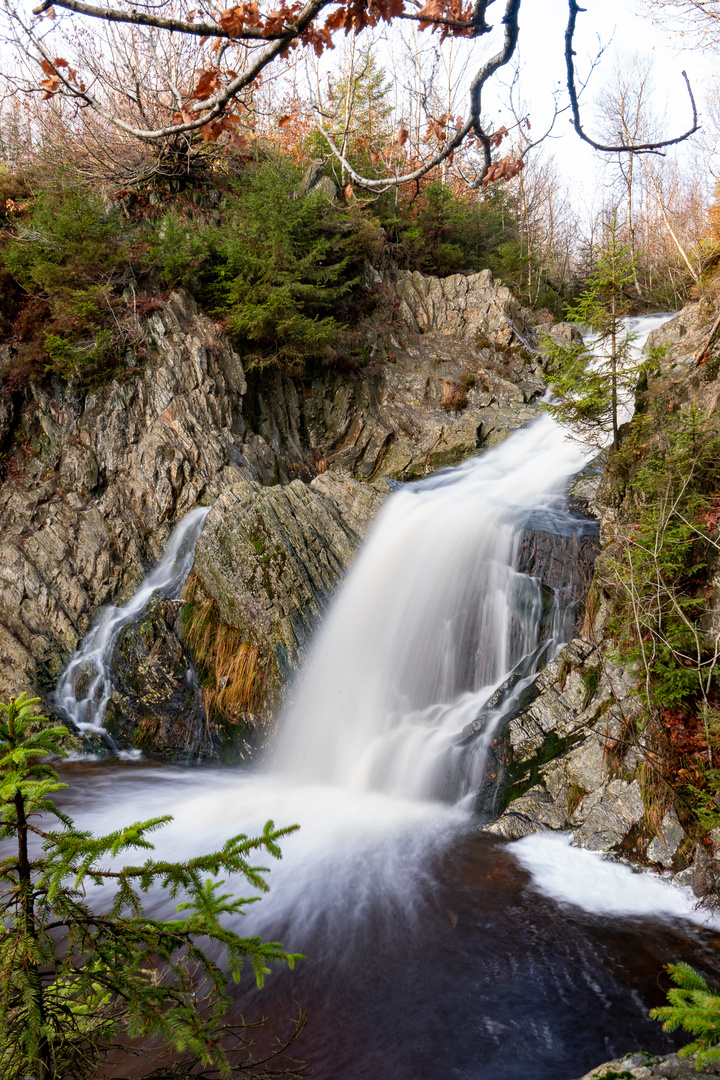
pixel 641 1066
pixel 571 762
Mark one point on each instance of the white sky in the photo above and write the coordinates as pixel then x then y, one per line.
pixel 629 30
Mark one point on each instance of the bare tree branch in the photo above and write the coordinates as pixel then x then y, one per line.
pixel 141 18
pixel 208 109
pixel 631 148
pixel 510 22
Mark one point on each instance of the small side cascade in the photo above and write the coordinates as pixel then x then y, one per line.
pixel 84 689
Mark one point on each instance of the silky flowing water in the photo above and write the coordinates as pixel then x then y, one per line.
pixel 432 950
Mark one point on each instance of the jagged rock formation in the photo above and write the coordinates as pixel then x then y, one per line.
pixel 450 376
pixel 555 754
pixel 568 765
pixel 270 557
pixel 574 757
pixel 97 479
pixel 102 478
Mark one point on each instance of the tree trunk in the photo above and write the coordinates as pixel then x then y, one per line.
pixel 41 1066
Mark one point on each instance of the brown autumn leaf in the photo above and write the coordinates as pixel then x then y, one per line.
pixel 47 67
pixel 402 136
pixel 252 14
pixel 349 191
pixel 498 136
pixel 374 157
pixel 212 132
pixel 285 120
pixel 231 20
pixel 275 20
pixel 208 83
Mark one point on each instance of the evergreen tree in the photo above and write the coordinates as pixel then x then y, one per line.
pixel 362 111
pixel 75 976
pixel 588 385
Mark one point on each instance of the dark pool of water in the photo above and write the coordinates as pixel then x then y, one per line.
pixel 495 981
pixel 486 979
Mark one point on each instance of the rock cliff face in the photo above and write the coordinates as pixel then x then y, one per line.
pixel 568 770
pixel 450 376
pixel 96 480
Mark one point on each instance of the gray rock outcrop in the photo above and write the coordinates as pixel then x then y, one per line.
pixel 570 767
pixel 100 483
pixel 450 376
pixel 271 557
pixel 98 479
pixel 642 1066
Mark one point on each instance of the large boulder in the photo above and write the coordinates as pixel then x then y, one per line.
pixel 156 705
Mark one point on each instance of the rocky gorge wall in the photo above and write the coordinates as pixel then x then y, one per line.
pixel 96 479
pixel 580 757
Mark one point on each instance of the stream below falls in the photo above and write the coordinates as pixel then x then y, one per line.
pixel 432 950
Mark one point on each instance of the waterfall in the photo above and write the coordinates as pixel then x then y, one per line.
pixel 434 616
pixel 84 688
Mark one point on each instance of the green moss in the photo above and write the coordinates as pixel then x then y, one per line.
pixel 576 794
pixel 590 677
pixel 523 775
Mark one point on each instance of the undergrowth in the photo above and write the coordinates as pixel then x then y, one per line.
pixel 80 274
pixel 658 568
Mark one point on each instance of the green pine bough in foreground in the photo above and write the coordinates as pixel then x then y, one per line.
pixel 694 1007
pixel 79 983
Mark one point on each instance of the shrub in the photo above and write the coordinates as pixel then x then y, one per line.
pixel 282 272
pixel 71 257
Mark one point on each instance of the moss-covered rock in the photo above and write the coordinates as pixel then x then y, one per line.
pixel 157 705
pixel 269 558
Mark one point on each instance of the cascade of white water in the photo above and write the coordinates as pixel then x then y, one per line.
pixel 638 329
pixel 90 667
pixel 432 618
